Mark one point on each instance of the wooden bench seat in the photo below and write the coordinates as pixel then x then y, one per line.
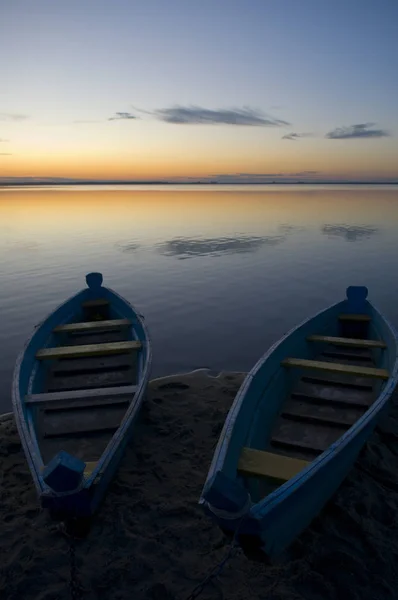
pixel 331 367
pixel 349 342
pixel 84 395
pixel 92 326
pixel 257 463
pixel 87 350
pixel 347 317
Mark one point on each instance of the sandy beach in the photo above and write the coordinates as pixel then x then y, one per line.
pixel 151 541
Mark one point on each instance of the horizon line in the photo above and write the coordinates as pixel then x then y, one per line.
pixel 34 181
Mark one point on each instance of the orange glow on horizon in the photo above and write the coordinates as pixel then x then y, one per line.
pixel 105 170
pixel 154 153
pixel 149 215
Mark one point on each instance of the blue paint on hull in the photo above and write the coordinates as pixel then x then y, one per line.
pixel 272 522
pixel 29 379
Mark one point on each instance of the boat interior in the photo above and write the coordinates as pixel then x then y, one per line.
pixel 84 383
pixel 325 397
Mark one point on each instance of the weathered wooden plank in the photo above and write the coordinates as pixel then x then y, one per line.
pixel 363 318
pixel 87 350
pixel 299 445
pixel 344 359
pixel 256 463
pixel 87 338
pixel 342 356
pixel 350 342
pixel 328 397
pixel 88 365
pixel 306 416
pixel 95 303
pixel 81 430
pixel 82 422
pixel 92 325
pixel 125 390
pixel 332 367
pixel 344 382
pixel 84 381
pixel 306 437
pixel 98 402
pixel 343 413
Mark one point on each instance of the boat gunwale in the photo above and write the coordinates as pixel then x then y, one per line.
pixel 260 508
pixel 31 449
pixel 29 442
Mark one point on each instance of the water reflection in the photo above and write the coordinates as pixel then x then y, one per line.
pixel 21 246
pixel 351 233
pixel 128 248
pixel 183 248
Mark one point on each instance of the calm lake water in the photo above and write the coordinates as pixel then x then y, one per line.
pixel 219 272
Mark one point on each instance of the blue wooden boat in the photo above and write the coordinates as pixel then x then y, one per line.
pixel 298 423
pixel 77 389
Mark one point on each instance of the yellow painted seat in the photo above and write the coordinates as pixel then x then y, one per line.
pixel 331 367
pixel 349 342
pixel 258 463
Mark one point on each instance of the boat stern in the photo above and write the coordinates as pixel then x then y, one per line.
pixel 229 504
pixel 65 495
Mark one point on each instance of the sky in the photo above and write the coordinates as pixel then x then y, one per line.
pixel 226 89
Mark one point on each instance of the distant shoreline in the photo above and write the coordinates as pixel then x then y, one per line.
pixel 256 183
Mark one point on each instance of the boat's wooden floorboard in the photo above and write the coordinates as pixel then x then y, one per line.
pixel 300 407
pixel 335 357
pixel 95 337
pixel 78 381
pixel 87 448
pixel 362 356
pixel 322 408
pixel 86 420
pixel 85 431
pixel 94 364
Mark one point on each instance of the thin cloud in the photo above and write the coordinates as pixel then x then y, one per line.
pixel 5 153
pixel 193 115
pixel 121 116
pixel 81 122
pixel 264 175
pixel 295 136
pixel 361 130
pixel 304 173
pixel 3 140
pixel 12 117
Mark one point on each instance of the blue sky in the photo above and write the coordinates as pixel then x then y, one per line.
pixel 303 67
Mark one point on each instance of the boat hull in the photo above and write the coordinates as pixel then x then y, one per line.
pixel 269 524
pixel 29 381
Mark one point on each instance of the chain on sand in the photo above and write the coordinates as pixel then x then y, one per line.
pixel 215 572
pixel 76 589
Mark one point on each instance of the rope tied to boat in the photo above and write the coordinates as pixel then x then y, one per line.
pixel 75 587
pixel 76 590
pixel 233 549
